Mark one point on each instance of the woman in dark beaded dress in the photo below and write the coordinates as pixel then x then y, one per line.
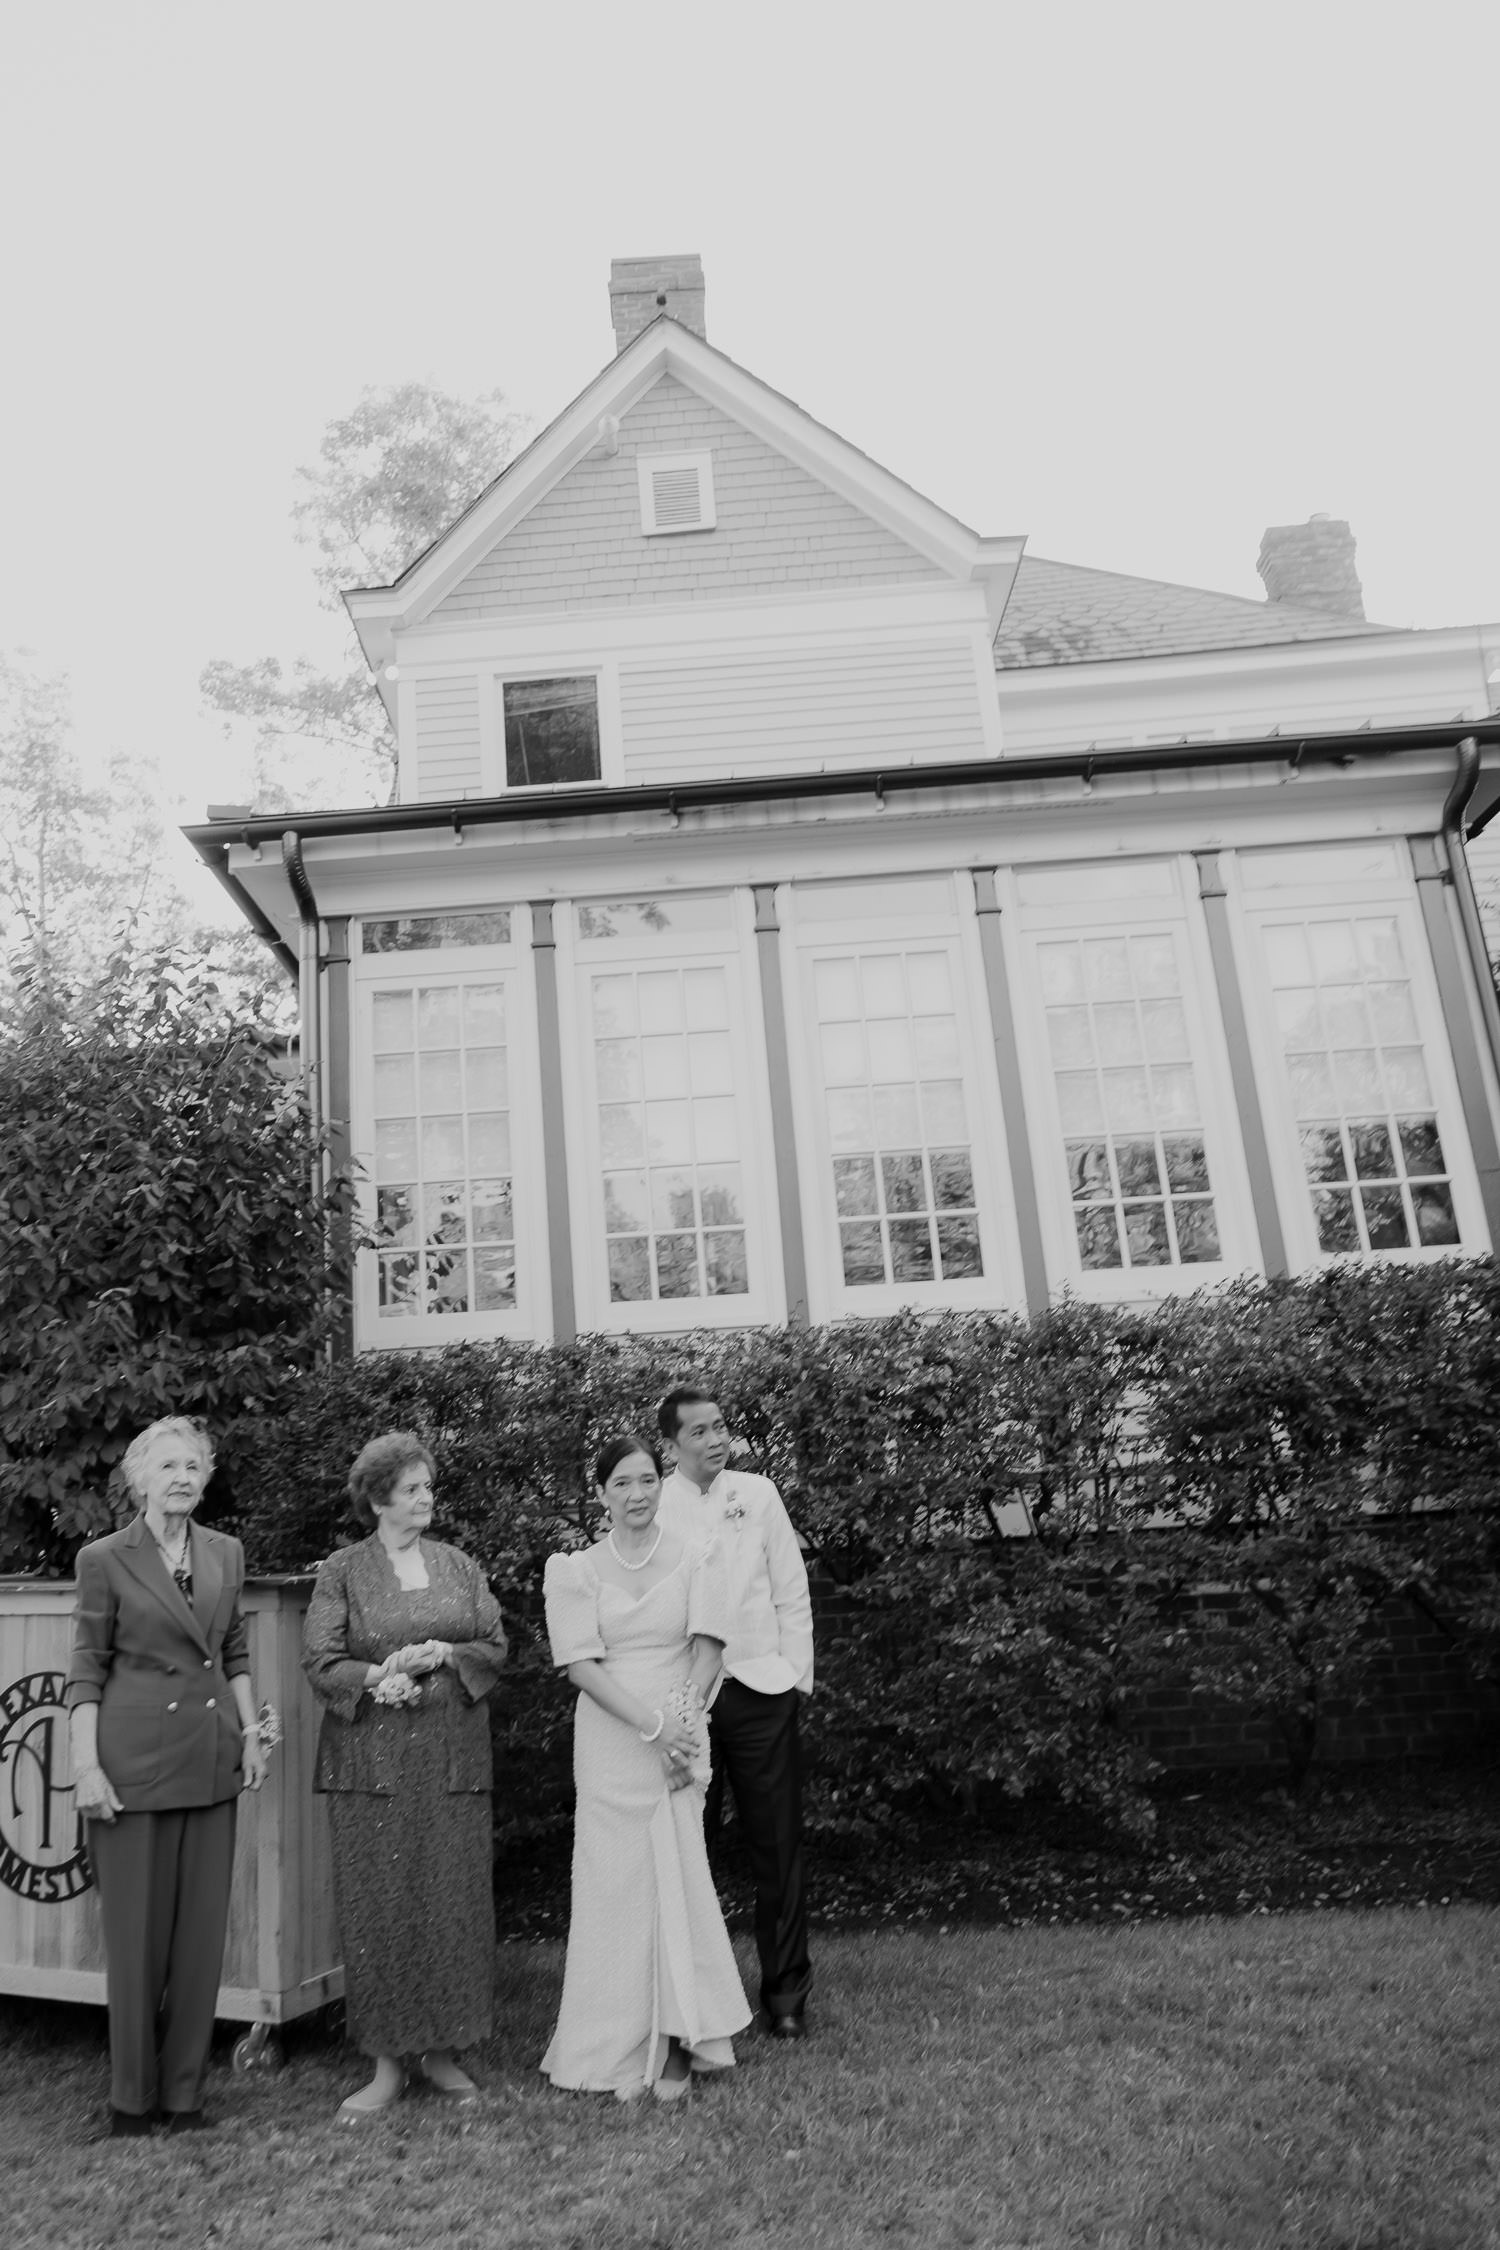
pixel 403 1644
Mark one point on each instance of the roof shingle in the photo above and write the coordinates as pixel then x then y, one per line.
pixel 1065 613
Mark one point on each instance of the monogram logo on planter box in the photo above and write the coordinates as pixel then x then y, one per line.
pixel 41 1837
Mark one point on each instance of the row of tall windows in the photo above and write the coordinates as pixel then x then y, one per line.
pixel 904 1173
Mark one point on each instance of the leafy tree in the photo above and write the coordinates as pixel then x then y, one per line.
pixel 76 860
pixel 167 1233
pixel 85 866
pixel 390 477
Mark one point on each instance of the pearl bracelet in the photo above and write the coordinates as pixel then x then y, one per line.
pixel 661 1721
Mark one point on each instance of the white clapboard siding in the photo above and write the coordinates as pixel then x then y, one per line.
pixel 769 711
pixel 447 737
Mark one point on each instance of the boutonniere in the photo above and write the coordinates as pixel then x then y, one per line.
pixel 734 1509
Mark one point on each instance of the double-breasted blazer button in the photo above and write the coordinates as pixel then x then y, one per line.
pixel 171 1706
pixel 208 1706
pixel 208 1663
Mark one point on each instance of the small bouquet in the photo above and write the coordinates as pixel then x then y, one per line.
pixel 268 1731
pixel 398 1690
pixel 685 1705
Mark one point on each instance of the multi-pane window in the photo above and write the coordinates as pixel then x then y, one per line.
pixel 1128 1099
pixel 1367 1123
pixel 444 1225
pixel 551 730
pixel 425 933
pixel 670 1137
pixel 898 1128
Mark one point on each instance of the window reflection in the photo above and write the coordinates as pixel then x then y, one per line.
pixel 444 1217
pixel 1367 1128
pixel 669 1136
pixel 1128 1098
pixel 903 1178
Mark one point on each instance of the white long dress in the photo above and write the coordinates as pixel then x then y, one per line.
pixel 648 1954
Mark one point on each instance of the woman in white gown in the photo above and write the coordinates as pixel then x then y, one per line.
pixel 650 1987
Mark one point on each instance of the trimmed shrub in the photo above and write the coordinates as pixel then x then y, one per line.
pixel 1253 1437
pixel 165 1248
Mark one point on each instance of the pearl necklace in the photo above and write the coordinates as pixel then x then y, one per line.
pixel 609 1540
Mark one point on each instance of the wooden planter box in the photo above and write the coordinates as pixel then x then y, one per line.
pixel 282 1956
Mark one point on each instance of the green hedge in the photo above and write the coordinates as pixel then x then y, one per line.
pixel 165 1250
pixel 1265 1437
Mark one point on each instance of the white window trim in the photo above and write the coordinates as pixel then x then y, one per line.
pixel 605 671
pixel 830 1297
pixel 765 1302
pixel 1334 903
pixel 1181 919
pixel 531 1314
pixel 647 467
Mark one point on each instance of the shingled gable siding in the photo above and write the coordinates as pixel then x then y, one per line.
pixel 447 738
pixel 779 530
pixel 751 711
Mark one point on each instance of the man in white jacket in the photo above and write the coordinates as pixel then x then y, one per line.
pixel 768 1668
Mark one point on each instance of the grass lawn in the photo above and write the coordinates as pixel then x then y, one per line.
pixel 1310 2079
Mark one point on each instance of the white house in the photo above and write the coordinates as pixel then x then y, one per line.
pixel 797 905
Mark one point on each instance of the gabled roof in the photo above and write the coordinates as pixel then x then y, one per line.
pixel 379 612
pixel 1065 613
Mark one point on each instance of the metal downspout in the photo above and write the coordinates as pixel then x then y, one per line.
pixel 1463 885
pixel 309 992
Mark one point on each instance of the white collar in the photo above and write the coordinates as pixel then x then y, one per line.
pixel 714 1491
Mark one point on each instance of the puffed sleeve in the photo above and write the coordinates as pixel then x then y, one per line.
pixel 93 1630
pixel 335 1677
pixel 571 1593
pixel 710 1603
pixel 478 1659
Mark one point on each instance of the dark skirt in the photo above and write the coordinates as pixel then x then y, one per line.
pixel 412 1890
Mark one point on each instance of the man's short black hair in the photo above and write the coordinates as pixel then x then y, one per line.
pixel 669 1413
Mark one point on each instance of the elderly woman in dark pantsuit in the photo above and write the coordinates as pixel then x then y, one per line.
pixel 164 1738
pixel 403 1644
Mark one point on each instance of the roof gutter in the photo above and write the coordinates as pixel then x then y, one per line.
pixel 1296 751
pixel 1457 800
pixel 214 852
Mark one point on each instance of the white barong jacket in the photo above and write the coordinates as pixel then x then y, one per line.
pixel 770 1646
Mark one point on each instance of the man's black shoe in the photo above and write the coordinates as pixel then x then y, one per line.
pixel 185 2121
pixel 128 2125
pixel 787 2027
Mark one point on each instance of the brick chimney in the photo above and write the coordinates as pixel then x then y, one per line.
pixel 642 288
pixel 1312 564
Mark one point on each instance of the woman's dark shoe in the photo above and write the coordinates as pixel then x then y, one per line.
pixel 130 2125
pixel 185 2121
pixel 443 2075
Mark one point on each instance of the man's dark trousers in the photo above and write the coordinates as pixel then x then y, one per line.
pixel 756 1750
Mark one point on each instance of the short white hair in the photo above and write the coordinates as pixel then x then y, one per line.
pixel 170 1425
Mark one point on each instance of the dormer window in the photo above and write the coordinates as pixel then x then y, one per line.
pixel 677 492
pixel 551 731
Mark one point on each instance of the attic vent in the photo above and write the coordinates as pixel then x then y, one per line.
pixel 677 492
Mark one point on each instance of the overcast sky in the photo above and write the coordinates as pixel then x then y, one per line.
pixel 1135 279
